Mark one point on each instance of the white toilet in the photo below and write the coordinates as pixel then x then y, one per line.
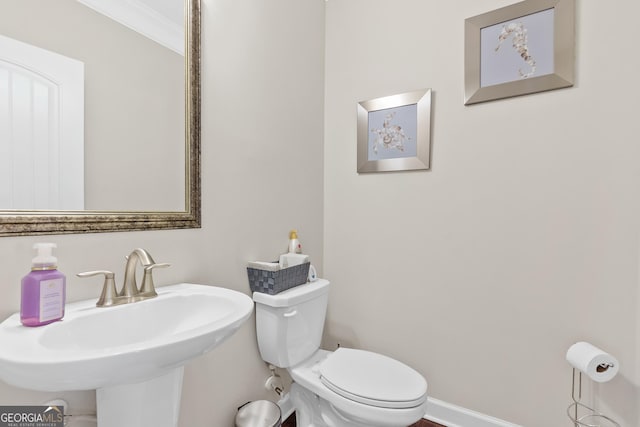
pixel 343 388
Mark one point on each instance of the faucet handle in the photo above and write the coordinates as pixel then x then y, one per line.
pixel 109 293
pixel 148 288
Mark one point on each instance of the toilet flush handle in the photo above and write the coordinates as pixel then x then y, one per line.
pixel 291 313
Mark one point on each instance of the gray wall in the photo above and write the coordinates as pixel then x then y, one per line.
pixel 523 237
pixel 262 108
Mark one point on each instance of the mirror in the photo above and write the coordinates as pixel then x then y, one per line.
pixel 141 169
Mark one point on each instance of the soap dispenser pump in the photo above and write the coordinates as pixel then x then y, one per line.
pixel 43 289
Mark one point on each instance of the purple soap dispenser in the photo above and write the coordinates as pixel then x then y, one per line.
pixel 43 290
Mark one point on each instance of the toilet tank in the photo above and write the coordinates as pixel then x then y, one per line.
pixel 289 324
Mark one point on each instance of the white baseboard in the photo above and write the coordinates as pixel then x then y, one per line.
pixel 451 415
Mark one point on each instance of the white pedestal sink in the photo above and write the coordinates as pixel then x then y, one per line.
pixel 132 354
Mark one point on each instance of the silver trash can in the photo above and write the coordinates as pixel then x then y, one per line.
pixel 259 413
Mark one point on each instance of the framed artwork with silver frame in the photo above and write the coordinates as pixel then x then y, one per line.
pixel 394 132
pixel 520 49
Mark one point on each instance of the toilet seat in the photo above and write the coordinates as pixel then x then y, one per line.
pixel 372 379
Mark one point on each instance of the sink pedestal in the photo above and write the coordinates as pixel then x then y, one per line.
pixel 152 403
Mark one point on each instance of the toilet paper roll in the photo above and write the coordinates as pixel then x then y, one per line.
pixel 261 265
pixel 597 364
pixel 291 260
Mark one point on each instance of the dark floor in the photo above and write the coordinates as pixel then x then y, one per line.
pixel 291 422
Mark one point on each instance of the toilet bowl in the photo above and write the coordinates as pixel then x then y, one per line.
pixel 381 399
pixel 346 387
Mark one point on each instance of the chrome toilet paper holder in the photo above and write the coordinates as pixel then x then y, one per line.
pixel 590 415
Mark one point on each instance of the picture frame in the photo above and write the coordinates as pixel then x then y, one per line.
pixel 394 132
pixel 519 49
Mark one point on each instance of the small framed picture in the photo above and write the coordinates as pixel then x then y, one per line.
pixel 394 132
pixel 520 49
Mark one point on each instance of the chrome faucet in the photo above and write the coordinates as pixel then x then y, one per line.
pixel 130 291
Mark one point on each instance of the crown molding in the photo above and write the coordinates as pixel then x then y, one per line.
pixel 143 19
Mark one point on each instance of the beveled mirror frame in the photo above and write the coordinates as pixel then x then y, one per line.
pixel 20 223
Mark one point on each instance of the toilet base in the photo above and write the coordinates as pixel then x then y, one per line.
pixel 313 411
pixel 316 412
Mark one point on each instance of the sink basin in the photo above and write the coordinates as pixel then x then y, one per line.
pixel 120 349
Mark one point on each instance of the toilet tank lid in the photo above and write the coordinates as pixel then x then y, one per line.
pixel 293 296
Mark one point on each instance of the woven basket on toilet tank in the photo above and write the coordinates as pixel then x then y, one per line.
pixel 273 282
